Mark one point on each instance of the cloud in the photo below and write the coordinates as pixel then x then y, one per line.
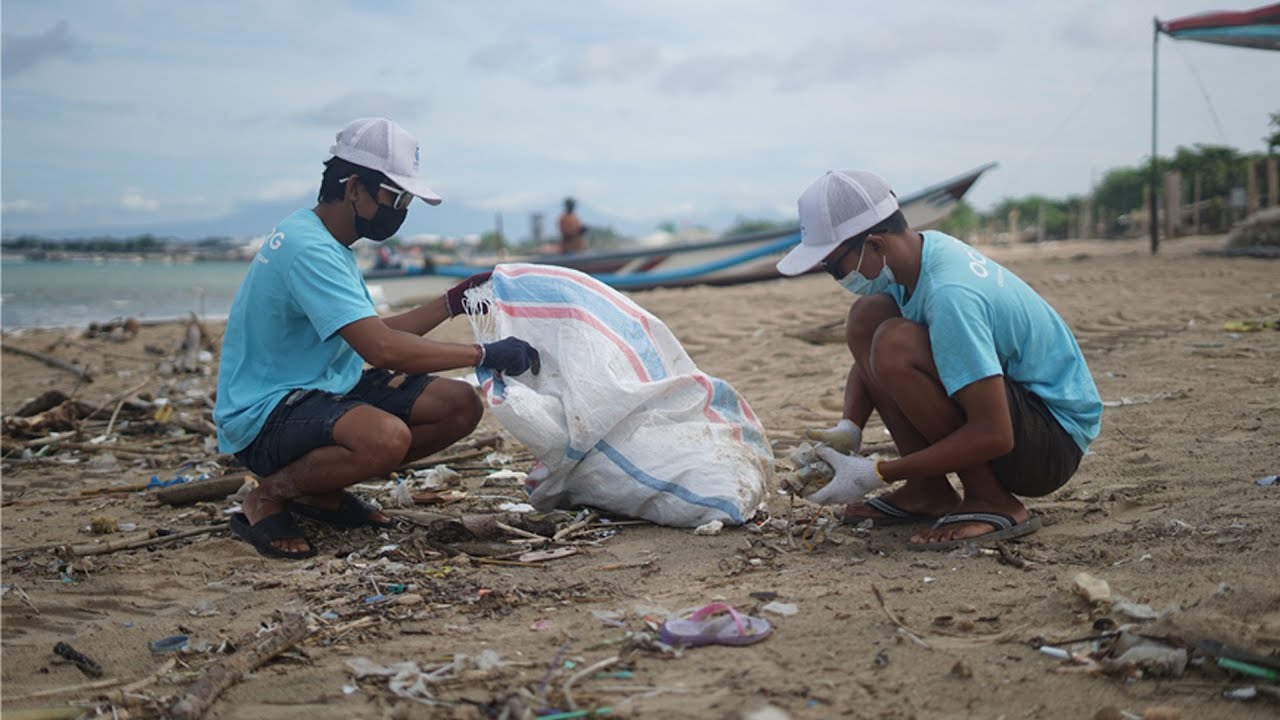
pixel 603 62
pixel 364 103
pixel 712 73
pixel 136 201
pixel 504 56
pixel 22 206
pixel 286 190
pixel 23 52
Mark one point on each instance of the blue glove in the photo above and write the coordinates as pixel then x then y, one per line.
pixel 510 356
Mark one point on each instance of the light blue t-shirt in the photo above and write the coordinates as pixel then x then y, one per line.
pixel 302 287
pixel 983 321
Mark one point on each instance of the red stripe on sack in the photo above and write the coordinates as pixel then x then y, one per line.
pixel 546 312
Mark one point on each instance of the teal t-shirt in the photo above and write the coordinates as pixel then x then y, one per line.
pixel 983 321
pixel 281 335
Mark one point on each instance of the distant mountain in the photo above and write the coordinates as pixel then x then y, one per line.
pixel 449 219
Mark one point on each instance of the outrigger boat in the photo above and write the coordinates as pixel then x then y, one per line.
pixel 726 261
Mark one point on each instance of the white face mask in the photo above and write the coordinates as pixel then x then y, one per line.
pixel 855 283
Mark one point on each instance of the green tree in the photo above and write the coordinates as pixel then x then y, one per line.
pixel 1273 140
pixel 962 221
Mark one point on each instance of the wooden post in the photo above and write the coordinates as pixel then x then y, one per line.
pixel 1195 204
pixel 1013 225
pixel 1040 222
pixel 1148 217
pixel 1086 215
pixel 497 229
pixel 1073 232
pixel 1273 181
pixel 1172 197
pixel 1251 187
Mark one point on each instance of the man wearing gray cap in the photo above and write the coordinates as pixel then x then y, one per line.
pixel 295 403
pixel 971 371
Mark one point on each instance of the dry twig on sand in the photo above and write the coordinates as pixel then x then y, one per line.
pixel 216 678
pixel 52 362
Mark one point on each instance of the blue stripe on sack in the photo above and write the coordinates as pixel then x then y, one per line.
pixel 660 485
pixel 724 400
pixel 572 454
pixel 499 390
pixel 552 290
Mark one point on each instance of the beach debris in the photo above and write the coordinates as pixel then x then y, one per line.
pixel 203 489
pixel 408 680
pixel 1243 326
pixel 250 654
pixel 173 643
pixel 1148 657
pixel 1146 399
pixel 1094 590
pixel 103 525
pixel 780 608
pixel 710 528
pixel 1135 611
pixel 1268 481
pixel 434 478
pixel 79 659
pixel 51 361
pixel 117 330
pixel 810 473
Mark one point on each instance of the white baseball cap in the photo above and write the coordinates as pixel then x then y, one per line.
pixel 380 144
pixel 836 207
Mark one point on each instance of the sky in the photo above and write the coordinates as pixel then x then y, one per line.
pixel 125 115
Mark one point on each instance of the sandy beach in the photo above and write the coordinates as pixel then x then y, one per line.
pixel 1165 509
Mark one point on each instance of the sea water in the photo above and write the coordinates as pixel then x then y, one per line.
pixel 76 293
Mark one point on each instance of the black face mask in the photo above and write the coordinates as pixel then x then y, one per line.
pixel 386 221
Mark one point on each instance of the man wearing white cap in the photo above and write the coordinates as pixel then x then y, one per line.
pixel 971 371
pixel 294 402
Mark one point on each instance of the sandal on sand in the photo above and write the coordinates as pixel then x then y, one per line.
pixel 352 512
pixel 268 530
pixel 715 624
pixel 1004 528
pixel 890 514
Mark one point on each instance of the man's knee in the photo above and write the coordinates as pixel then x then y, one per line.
pixel 463 406
pixel 866 315
pixel 379 437
pixel 899 346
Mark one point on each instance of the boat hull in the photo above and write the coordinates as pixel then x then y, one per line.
pixel 728 261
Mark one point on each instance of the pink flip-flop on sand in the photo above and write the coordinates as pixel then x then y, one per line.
pixel 715 624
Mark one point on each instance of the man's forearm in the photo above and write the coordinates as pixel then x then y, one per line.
pixel 420 320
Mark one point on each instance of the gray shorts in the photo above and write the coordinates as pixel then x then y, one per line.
pixel 304 419
pixel 1044 455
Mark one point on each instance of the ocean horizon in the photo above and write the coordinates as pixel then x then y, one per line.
pixel 39 294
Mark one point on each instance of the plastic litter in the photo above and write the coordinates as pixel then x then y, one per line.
pixel 1268 480
pixel 173 643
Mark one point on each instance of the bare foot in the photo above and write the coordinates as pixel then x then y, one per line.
pixel 966 530
pixel 257 505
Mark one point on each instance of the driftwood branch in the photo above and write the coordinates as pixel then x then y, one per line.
pixel 214 488
pixel 115 546
pixel 52 361
pixel 215 679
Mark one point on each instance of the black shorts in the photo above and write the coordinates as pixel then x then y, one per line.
pixel 1044 455
pixel 304 419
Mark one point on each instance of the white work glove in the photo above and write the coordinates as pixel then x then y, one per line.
pixel 844 436
pixel 855 477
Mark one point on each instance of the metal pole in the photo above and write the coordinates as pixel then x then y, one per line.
pixel 1154 220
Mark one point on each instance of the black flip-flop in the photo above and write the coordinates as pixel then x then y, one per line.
pixel 352 512
pixel 268 530
pixel 1004 528
pixel 891 514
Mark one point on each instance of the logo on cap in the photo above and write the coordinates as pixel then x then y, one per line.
pixel 416 154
